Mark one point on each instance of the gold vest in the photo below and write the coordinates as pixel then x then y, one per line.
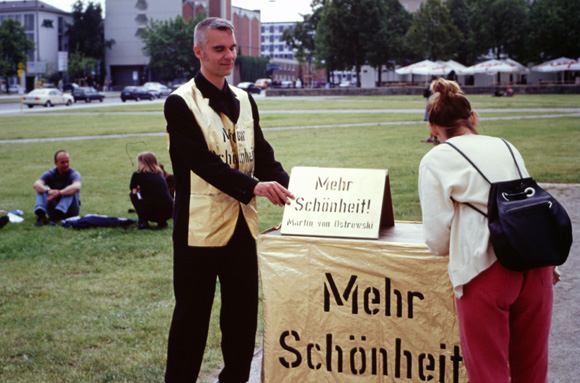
pixel 212 213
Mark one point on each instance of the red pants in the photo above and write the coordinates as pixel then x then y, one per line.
pixel 504 325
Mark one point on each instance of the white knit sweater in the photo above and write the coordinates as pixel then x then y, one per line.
pixel 456 229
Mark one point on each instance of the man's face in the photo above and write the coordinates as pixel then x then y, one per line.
pixel 62 162
pixel 218 57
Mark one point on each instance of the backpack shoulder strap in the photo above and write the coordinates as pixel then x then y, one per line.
pixel 476 168
pixel 513 156
pixel 467 158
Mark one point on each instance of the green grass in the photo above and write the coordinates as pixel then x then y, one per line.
pixel 95 305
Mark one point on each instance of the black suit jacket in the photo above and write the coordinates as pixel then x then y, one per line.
pixel 189 152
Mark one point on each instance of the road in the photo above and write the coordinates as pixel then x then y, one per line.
pixel 7 107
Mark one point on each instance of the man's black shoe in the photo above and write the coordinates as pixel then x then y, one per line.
pixel 41 221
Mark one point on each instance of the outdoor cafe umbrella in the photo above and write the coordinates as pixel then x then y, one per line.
pixel 557 65
pixel 457 67
pixel 426 67
pixel 496 66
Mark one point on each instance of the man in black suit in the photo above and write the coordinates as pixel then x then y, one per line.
pixel 217 148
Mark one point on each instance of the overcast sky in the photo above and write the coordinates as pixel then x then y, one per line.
pixel 271 10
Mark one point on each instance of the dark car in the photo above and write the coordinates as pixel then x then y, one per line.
pixel 249 87
pixel 135 93
pixel 69 87
pixel 87 94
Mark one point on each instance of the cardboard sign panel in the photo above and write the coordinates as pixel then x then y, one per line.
pixel 358 311
pixel 332 202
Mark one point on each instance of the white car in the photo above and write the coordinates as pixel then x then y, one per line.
pixel 14 88
pixel 47 97
pixel 157 89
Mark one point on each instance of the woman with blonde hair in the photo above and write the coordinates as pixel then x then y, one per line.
pixel 504 315
pixel 149 192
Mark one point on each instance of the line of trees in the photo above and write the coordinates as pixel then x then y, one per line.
pixel 344 34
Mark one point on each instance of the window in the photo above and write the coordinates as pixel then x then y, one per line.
pixel 29 22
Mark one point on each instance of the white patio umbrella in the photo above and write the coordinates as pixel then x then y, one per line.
pixel 425 67
pixel 496 66
pixel 557 65
pixel 457 67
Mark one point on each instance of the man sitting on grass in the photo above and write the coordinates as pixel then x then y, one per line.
pixel 58 192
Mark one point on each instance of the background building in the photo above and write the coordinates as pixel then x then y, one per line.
pixel 273 45
pixel 46 26
pixel 125 21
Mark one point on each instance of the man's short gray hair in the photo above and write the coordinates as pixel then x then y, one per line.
pixel 200 34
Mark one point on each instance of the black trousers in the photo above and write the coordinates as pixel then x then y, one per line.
pixel 195 271
pixel 150 211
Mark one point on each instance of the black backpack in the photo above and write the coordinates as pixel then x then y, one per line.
pixel 528 227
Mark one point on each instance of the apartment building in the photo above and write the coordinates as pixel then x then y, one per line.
pixel 273 45
pixel 47 27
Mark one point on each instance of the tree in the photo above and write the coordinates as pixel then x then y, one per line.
pixel 467 50
pixel 384 45
pixel 500 27
pixel 87 38
pixel 251 68
pixel 555 31
pixel 301 37
pixel 169 45
pixel 80 66
pixel 432 34
pixel 14 47
pixel 341 32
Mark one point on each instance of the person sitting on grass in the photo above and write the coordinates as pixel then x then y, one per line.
pixel 58 192
pixel 149 192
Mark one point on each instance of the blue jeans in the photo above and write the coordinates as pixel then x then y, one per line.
pixel 68 205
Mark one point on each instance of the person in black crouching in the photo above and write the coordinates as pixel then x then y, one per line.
pixel 149 192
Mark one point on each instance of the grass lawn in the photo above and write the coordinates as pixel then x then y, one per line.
pixel 95 305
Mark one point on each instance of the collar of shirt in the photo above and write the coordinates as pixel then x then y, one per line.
pixel 221 101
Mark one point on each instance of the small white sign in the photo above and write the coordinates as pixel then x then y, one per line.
pixel 334 202
pixel 37 67
pixel 62 61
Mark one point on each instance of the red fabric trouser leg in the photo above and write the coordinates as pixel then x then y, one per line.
pixel 504 325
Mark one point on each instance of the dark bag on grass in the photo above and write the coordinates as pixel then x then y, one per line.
pixel 528 227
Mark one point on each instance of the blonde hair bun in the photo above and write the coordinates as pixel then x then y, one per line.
pixel 446 88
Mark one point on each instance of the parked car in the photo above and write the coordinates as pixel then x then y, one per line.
pixel 71 86
pixel 345 84
pixel 157 89
pixel 14 88
pixel 249 87
pixel 135 93
pixel 287 84
pixel 47 97
pixel 263 83
pixel 87 94
pixel 176 85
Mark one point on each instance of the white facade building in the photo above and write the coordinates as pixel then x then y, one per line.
pixel 273 45
pixel 125 21
pixel 46 26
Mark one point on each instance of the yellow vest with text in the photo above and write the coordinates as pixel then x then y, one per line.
pixel 212 213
